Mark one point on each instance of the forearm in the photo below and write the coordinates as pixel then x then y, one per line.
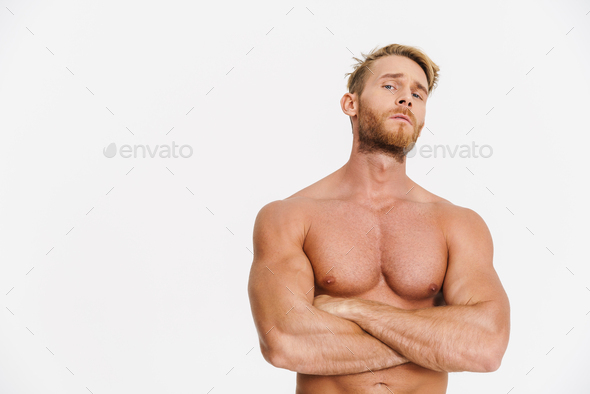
pixel 315 342
pixel 446 338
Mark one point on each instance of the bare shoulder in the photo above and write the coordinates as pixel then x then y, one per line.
pixel 287 218
pixel 447 209
pixel 455 220
pixel 459 223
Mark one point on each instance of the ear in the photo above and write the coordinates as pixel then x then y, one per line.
pixel 349 104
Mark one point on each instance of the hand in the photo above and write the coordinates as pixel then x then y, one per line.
pixel 335 305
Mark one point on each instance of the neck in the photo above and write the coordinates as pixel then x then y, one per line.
pixel 374 176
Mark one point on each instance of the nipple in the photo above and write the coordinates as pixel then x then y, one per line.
pixel 329 280
pixel 433 287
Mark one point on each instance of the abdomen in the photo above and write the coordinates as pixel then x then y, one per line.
pixel 407 378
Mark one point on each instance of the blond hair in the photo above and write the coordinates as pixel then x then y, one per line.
pixel 358 78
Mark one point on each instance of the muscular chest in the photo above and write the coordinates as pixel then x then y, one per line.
pixel 390 254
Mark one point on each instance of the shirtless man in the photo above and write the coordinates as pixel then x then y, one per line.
pixel 364 282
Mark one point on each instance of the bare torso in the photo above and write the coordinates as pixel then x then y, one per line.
pixel 392 251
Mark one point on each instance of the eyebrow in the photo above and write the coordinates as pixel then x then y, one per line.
pixel 402 75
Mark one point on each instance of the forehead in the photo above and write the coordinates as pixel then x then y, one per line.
pixel 398 64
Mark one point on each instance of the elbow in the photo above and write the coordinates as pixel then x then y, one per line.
pixel 499 349
pixel 484 359
pixel 271 354
pixel 498 343
pixel 275 358
pixel 484 362
pixel 492 364
pixel 494 358
pixel 274 353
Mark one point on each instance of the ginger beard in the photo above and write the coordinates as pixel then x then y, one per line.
pixel 380 134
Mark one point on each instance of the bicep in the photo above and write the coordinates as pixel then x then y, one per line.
pixel 471 277
pixel 281 276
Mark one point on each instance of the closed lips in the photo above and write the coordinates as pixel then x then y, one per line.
pixel 404 117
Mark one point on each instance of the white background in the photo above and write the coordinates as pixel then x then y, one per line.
pixel 130 275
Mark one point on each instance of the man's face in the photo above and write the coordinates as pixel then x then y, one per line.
pixel 385 97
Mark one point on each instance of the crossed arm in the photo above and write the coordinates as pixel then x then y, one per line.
pixel 470 333
pixel 331 336
pixel 293 333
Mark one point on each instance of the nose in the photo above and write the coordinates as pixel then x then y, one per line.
pixel 405 100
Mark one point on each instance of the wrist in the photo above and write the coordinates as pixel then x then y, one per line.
pixel 351 308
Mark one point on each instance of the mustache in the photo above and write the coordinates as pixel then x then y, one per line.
pixel 408 113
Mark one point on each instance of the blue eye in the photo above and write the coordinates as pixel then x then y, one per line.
pixel 416 94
